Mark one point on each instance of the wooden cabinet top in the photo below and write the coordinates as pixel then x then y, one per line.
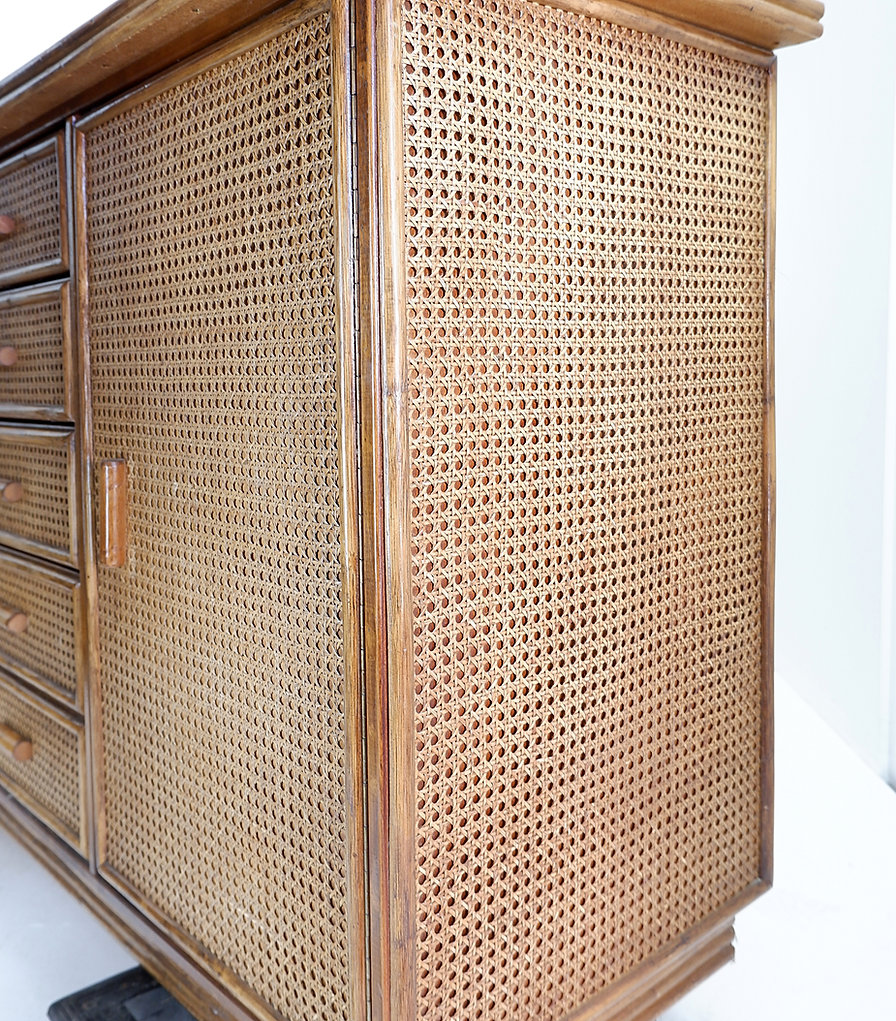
pixel 134 39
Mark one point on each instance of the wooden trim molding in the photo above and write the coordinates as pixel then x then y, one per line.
pixel 386 513
pixel 769 24
pixel 767 764
pixel 125 44
pixel 135 39
pixel 344 205
pixel 766 24
pixel 741 30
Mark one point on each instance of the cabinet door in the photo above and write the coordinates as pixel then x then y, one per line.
pixel 215 318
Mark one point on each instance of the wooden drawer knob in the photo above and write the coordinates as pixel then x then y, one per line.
pixel 13 619
pixel 14 745
pixel 11 491
pixel 8 356
pixel 7 226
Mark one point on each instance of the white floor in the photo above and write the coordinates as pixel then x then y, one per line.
pixel 820 946
pixel 50 944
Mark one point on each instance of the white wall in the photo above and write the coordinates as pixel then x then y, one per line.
pixel 32 26
pixel 835 159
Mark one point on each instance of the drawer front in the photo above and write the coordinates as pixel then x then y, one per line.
pixel 35 362
pixel 51 781
pixel 33 234
pixel 36 483
pixel 39 616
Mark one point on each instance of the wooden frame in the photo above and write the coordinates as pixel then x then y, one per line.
pixel 386 530
pixel 767 779
pixel 386 514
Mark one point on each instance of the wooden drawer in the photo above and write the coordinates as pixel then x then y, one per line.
pixel 33 232
pixel 39 625
pixel 51 782
pixel 36 486
pixel 35 354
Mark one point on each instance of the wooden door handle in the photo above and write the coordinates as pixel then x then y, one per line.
pixel 113 513
pixel 7 226
pixel 14 745
pixel 8 356
pixel 13 619
pixel 11 491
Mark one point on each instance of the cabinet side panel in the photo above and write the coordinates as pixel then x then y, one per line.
pixel 585 242
pixel 215 374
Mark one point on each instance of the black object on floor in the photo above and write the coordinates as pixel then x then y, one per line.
pixel 131 996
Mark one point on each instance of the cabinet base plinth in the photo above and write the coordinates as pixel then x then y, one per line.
pixel 641 995
pixel 661 980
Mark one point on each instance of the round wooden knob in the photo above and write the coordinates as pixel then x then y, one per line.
pixel 13 619
pixel 7 225
pixel 17 623
pixel 14 745
pixel 8 356
pixel 11 491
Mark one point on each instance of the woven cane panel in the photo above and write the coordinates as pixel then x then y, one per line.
pixel 32 324
pixel 51 779
pixel 29 192
pixel 41 462
pixel 585 246
pixel 45 652
pixel 214 374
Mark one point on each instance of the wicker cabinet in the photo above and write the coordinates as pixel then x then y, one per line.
pixel 395 496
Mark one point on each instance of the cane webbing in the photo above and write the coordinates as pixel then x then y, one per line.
pixel 214 374
pixel 585 211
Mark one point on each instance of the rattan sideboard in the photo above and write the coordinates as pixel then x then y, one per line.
pixel 387 495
